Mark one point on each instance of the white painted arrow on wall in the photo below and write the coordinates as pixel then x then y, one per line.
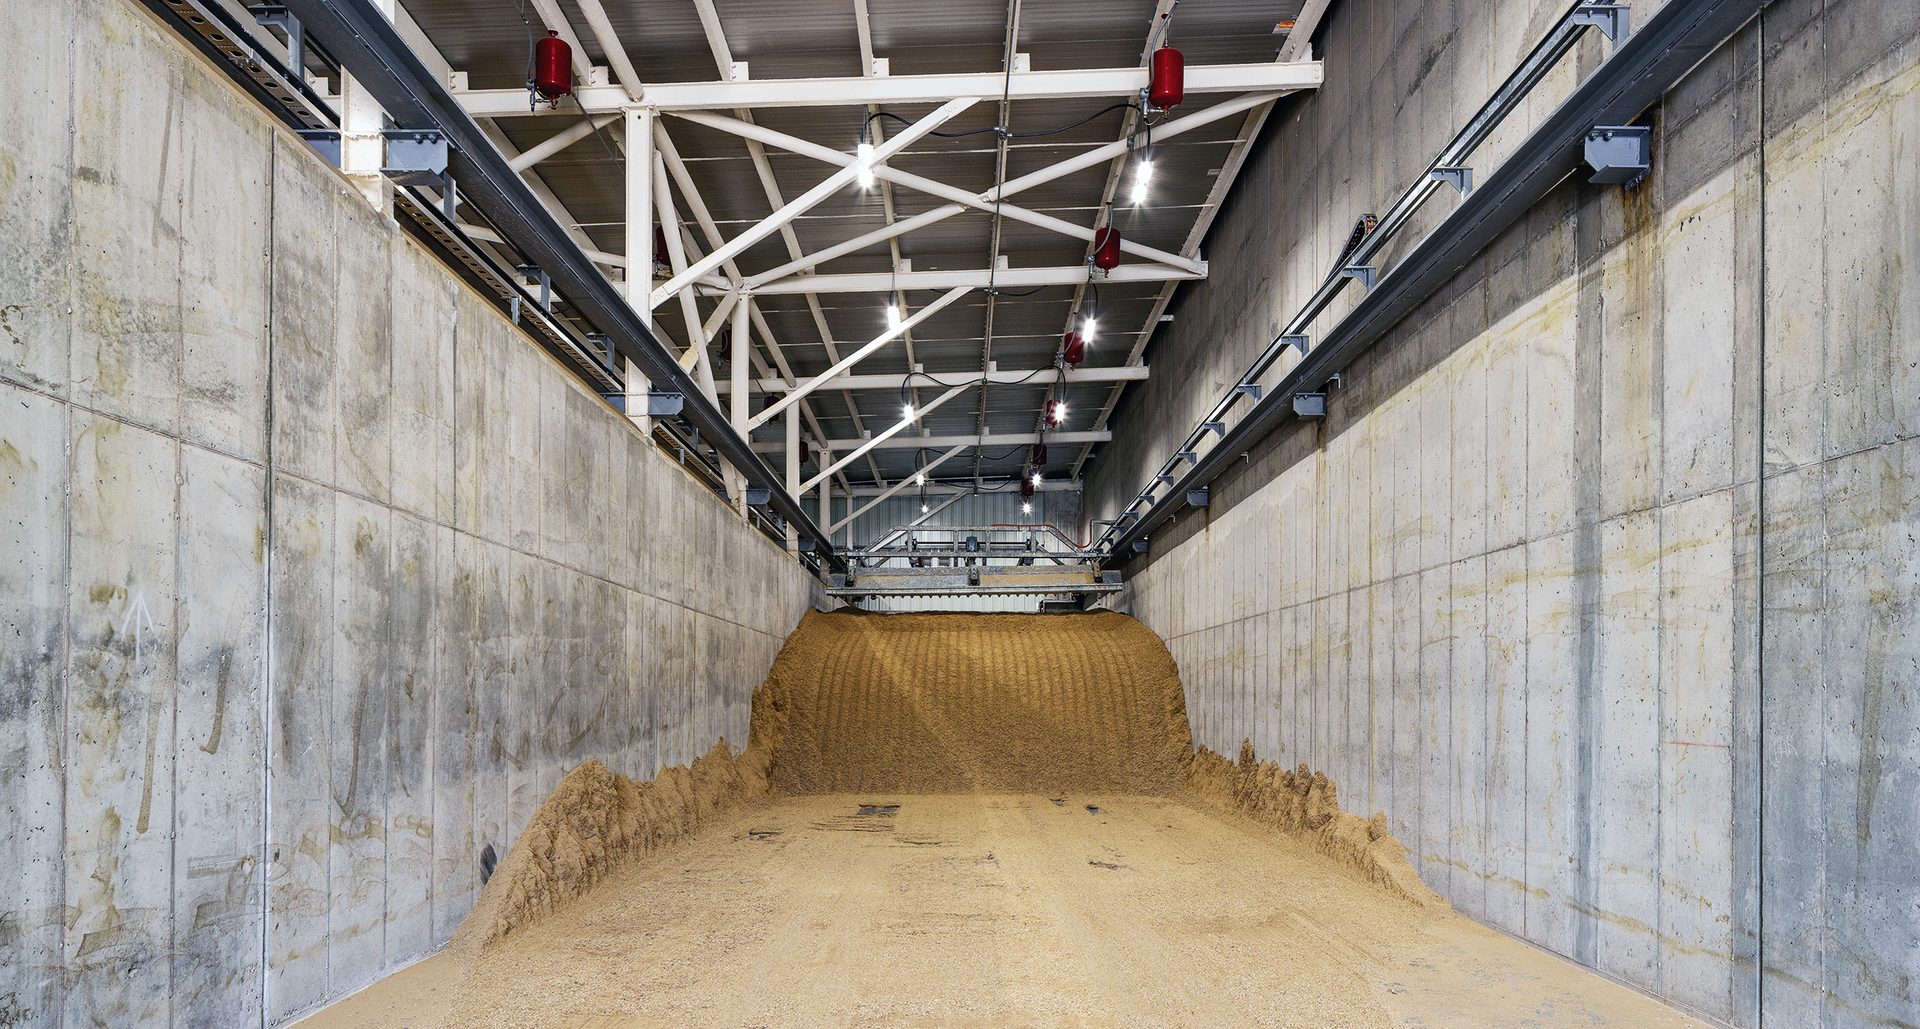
pixel 138 620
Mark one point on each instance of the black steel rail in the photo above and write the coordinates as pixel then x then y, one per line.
pixel 370 49
pixel 1649 62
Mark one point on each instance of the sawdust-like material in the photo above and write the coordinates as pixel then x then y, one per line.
pixel 595 821
pixel 1305 805
pixel 929 704
pixel 975 703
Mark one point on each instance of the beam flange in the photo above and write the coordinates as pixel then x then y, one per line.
pixel 1060 83
pixel 974 278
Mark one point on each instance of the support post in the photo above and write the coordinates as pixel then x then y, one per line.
pixel 737 385
pixel 639 270
pixel 826 491
pixel 793 461
pixel 363 149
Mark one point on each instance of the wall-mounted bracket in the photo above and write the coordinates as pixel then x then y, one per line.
pixel 1188 456
pixel 1619 154
pixel 1609 18
pixel 277 16
pixel 1140 546
pixel 1217 428
pixel 759 497
pixel 1366 274
pixel 1459 176
pixel 605 343
pixel 1251 389
pixel 1197 497
pixel 1166 477
pixel 664 404
pixel 1310 405
pixel 535 275
pixel 1298 341
pixel 418 157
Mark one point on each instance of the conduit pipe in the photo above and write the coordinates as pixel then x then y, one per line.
pixel 370 48
pixel 1646 64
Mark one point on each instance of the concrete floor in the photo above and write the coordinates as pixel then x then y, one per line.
pixel 996 910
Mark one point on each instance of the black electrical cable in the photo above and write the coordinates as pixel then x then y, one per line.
pixel 906 384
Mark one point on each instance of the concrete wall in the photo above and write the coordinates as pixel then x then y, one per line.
pixel 1602 579
pixel 315 575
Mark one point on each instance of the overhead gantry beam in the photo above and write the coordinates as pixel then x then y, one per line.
pixel 998 377
pixel 973 278
pixel 1064 83
pixel 909 442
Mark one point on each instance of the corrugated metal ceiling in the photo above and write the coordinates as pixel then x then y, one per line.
pixel 815 38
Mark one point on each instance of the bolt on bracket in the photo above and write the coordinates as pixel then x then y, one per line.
pixel 1619 154
pixel 1217 428
pixel 1610 18
pixel 1459 176
pixel 1251 389
pixel 664 404
pixel 1366 274
pixel 1298 341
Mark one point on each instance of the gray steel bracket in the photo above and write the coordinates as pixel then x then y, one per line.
pixel 1310 405
pixel 605 343
pixel 1298 341
pixel 1188 456
pixel 1460 177
pixel 1197 497
pixel 1366 274
pixel 418 157
pixel 1619 154
pixel 539 275
pixel 664 404
pixel 1217 428
pixel 1166 477
pixel 1140 546
pixel 277 16
pixel 1609 18
pixel 759 497
pixel 1251 389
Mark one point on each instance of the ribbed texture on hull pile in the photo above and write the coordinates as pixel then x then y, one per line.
pixel 999 703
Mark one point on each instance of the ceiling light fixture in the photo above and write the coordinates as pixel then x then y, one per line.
pixel 864 155
pixel 1142 173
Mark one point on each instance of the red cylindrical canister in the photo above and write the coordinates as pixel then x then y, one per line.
pixel 552 67
pixel 1074 349
pixel 1106 248
pixel 806 453
pixel 1167 85
pixel 1038 456
pixel 1026 489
